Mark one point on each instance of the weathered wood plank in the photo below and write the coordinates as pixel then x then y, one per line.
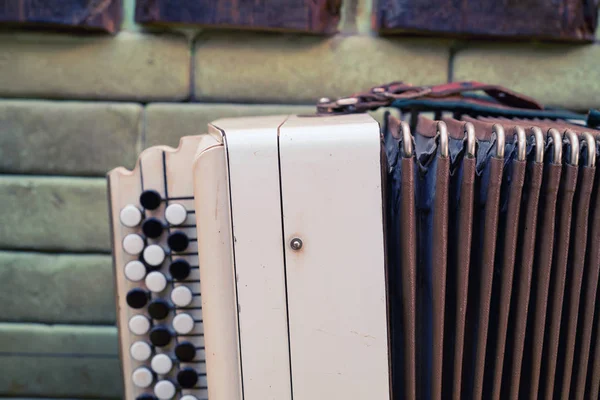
pixel 313 16
pixel 58 214
pixel 59 361
pixel 571 20
pixel 104 15
pixel 56 288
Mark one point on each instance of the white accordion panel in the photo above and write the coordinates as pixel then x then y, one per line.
pixel 332 201
pixel 283 323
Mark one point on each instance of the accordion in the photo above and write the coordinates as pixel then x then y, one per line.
pixel 452 251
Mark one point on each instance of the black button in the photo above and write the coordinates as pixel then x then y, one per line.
pixel 185 351
pixel 146 396
pixel 179 269
pixel 160 336
pixel 178 241
pixel 187 378
pixel 158 309
pixel 152 228
pixel 137 298
pixel 150 199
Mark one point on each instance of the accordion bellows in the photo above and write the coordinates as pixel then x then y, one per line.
pixel 494 256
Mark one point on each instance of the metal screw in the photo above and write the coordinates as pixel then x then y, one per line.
pixel 296 244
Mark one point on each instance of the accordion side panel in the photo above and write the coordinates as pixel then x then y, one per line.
pixel 589 298
pixel 465 228
pixel 408 244
pixel 558 279
pixel 576 280
pixel 440 260
pixel 487 272
pixel 511 239
pixel 252 153
pixel 332 201
pixel 215 254
pixel 542 270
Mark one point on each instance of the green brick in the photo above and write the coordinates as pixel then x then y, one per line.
pixel 267 68
pixel 166 123
pixel 59 361
pixel 556 75
pixel 68 138
pixel 59 340
pixel 59 214
pixel 56 288
pixel 128 66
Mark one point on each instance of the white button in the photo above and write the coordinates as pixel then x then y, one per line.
pixel 164 390
pixel 142 377
pixel 139 325
pixel 154 255
pixel 133 244
pixel 181 296
pixel 156 282
pixel 183 323
pixel 130 216
pixel 176 214
pixel 140 351
pixel 161 364
pixel 135 271
pixel 188 397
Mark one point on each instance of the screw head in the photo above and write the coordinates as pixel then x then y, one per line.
pixel 296 244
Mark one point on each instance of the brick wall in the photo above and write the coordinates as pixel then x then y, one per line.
pixel 73 106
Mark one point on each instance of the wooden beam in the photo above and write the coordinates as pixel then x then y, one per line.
pixel 311 16
pixel 574 20
pixel 102 15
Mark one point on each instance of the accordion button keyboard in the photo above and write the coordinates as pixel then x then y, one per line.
pixel 181 296
pixel 188 397
pixel 156 282
pixel 161 364
pixel 150 199
pixel 142 377
pixel 130 216
pixel 154 255
pixel 133 244
pixel 183 323
pixel 164 390
pixel 158 309
pixel 176 214
pixel 160 336
pixel 152 228
pixel 179 269
pixel 139 325
pixel 187 378
pixel 178 241
pixel 185 351
pixel 137 298
pixel 140 351
pixel 135 271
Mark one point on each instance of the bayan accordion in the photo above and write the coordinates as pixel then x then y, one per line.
pixel 450 253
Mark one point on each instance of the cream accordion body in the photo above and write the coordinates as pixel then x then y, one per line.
pixel 240 271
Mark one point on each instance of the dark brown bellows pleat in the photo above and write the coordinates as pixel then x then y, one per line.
pixel 543 268
pixel 490 235
pixel 408 244
pixel 439 262
pixel 576 277
pixel 465 229
pixel 589 302
pixel 511 237
pixel 559 275
pixel 538 201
